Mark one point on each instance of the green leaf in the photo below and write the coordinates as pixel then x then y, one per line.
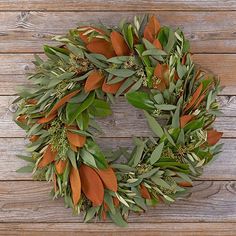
pixel 165 107
pixel 140 100
pixel 195 124
pixel 100 108
pixel 154 52
pixel 156 154
pixel 130 38
pixel 75 50
pixel 95 61
pixel 127 83
pixel 140 49
pixel 88 158
pixel 181 139
pixel 71 156
pixel 159 98
pixel 90 213
pixel 137 152
pixel 175 119
pixel 99 157
pixel 25 169
pixel 26 158
pixel 73 109
pixel 117 218
pixel 157 180
pixel 171 41
pixel 154 125
pixel 181 70
pixel 170 139
pixel 120 72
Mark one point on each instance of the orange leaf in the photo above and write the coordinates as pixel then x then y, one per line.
pixel 151 29
pixel 22 118
pixel 73 147
pixel 75 184
pixel 144 192
pixel 160 72
pixel 185 119
pixel 111 88
pixel 199 101
pixel 116 201
pixel 60 166
pixel 213 137
pixel 120 46
pixel 34 138
pixel 61 102
pixel 76 140
pixel 185 184
pixel 94 81
pixel 108 178
pixel 46 119
pixel 101 46
pixel 48 157
pixel 31 101
pixel 194 98
pixel 92 185
pixel 157 44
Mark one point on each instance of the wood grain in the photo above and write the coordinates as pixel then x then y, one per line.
pixel 209 32
pixel 121 122
pixel 124 5
pixel 108 229
pixel 221 64
pixel 208 201
pixel 223 167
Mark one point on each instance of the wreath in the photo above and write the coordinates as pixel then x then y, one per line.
pixel 150 66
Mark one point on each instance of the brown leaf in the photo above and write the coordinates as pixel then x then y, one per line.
pixel 157 44
pixel 75 184
pixel 34 138
pixel 101 46
pixel 48 157
pixel 60 166
pixel 144 192
pixel 22 119
pixel 213 137
pixel 120 46
pixel 108 178
pixel 161 72
pixel 31 101
pixel 151 29
pixel 61 102
pixel 185 184
pixel 73 147
pixel 194 98
pixel 92 185
pixel 111 88
pixel 46 119
pixel 76 140
pixel 199 101
pixel 116 201
pixel 185 119
pixel 94 81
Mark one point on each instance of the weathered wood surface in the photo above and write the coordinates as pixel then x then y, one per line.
pixel 26 207
pixel 223 168
pixel 209 32
pixel 13 67
pixel 119 5
pixel 126 121
pixel 208 201
pixel 108 229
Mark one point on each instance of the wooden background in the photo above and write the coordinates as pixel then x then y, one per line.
pixel 26 207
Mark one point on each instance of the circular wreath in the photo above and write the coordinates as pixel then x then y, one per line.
pixel 152 67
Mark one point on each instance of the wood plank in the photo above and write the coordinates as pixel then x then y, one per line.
pixel 109 229
pixel 212 62
pixel 209 32
pixel 121 122
pixel 125 5
pixel 223 167
pixel 208 201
